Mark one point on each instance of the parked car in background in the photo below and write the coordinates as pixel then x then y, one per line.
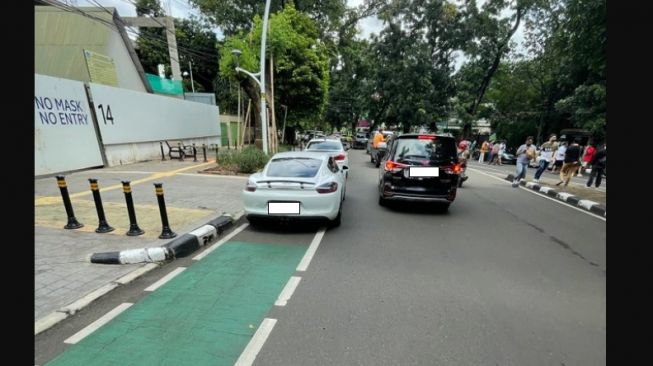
pixel 296 185
pixel 508 158
pixel 361 139
pixel 334 148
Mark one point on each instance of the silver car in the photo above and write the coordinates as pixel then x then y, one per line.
pixel 334 148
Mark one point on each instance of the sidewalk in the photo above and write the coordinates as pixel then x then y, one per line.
pixel 590 199
pixel 63 272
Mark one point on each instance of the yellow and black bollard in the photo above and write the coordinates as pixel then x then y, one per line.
pixel 72 221
pixel 166 232
pixel 194 152
pixel 103 226
pixel 134 230
pixel 204 152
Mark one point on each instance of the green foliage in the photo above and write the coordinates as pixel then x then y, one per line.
pixel 301 78
pixel 196 43
pixel 249 160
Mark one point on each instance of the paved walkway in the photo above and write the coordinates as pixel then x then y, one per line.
pixel 63 272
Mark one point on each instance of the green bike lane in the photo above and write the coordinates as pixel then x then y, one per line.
pixel 206 315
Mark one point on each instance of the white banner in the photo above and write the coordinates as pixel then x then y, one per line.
pixel 127 116
pixel 64 135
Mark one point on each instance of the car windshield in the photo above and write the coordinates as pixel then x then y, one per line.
pixel 324 146
pixel 432 152
pixel 294 167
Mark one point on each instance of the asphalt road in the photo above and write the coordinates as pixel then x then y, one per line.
pixel 506 277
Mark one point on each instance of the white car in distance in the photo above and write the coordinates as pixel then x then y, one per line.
pixel 296 185
pixel 332 147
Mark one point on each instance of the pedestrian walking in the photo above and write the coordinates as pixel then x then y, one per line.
pixel 571 163
pixel 599 162
pixel 484 149
pixel 523 157
pixel 546 156
pixel 559 157
pixel 588 155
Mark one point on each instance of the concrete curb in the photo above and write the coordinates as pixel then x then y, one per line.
pixel 177 248
pixel 57 316
pixel 587 205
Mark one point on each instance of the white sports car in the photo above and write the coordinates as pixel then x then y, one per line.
pixel 296 185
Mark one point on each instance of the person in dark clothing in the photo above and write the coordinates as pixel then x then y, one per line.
pixel 571 163
pixel 599 162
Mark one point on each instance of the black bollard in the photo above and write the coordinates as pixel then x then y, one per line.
pixel 194 153
pixel 72 221
pixel 134 230
pixel 166 232
pixel 204 152
pixel 103 226
pixel 163 156
pixel 181 152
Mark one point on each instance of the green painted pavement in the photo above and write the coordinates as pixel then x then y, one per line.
pixel 204 316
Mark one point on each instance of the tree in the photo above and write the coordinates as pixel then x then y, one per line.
pixel 196 43
pixel 300 65
pixel 487 40
pixel 237 16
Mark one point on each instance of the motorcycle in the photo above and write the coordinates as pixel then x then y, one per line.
pixel 462 160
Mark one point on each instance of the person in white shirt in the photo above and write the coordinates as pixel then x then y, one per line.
pixel 559 156
pixel 546 156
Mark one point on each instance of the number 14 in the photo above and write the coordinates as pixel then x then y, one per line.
pixel 108 115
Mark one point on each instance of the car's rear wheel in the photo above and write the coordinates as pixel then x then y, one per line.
pixel 338 220
pixel 254 222
pixel 382 201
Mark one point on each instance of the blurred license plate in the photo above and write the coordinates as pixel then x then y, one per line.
pixel 418 171
pixel 283 208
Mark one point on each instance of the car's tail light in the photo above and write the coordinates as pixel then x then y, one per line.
pixel 250 186
pixel 453 169
pixel 425 137
pixel 327 187
pixel 341 157
pixel 391 166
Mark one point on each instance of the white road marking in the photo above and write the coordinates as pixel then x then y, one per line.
pixel 256 343
pixel 542 195
pixel 98 323
pixel 165 279
pixel 287 291
pixel 222 241
pixel 303 265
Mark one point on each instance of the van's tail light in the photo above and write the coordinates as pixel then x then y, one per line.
pixel 391 166
pixel 341 157
pixel 453 169
pixel 250 186
pixel 327 187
